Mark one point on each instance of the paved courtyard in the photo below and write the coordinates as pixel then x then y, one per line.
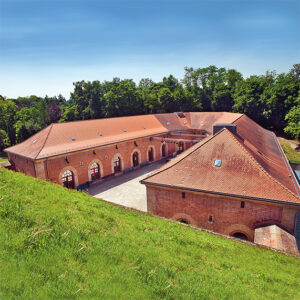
pixel 125 189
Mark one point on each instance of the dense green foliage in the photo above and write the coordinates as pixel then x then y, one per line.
pixel 56 243
pixel 272 100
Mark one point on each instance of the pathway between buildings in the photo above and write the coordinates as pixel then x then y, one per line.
pixel 125 189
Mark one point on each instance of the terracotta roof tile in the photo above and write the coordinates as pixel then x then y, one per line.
pixel 86 133
pixel 240 174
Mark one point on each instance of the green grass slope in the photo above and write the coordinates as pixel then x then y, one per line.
pixel 56 243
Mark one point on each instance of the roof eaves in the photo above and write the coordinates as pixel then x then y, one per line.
pixel 219 193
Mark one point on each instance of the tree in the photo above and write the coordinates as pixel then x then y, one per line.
pixel 293 121
pixel 26 124
pixel 54 112
pixel 8 111
pixel 4 140
pixel 123 100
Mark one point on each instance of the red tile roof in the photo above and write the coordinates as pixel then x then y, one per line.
pixel 56 139
pixel 240 173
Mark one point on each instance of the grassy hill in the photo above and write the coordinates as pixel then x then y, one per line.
pixel 57 243
pixel 292 155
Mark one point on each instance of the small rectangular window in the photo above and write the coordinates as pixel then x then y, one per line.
pixel 242 204
pixel 183 194
pixel 210 219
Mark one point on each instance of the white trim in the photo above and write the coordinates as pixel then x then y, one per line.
pixel 154 152
pixel 73 170
pixel 131 155
pixel 96 160
pixel 167 149
pixel 112 162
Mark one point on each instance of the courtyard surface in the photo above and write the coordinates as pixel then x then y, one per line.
pixel 125 189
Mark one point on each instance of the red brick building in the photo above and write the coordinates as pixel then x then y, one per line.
pixel 230 182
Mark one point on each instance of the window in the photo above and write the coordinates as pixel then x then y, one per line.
pixel 68 179
pixel 242 204
pixel 95 171
pixel 210 219
pixel 150 154
pixel 180 147
pixel 183 221
pixel 183 194
pixel 135 159
pixel 163 150
pixel 117 164
pixel 218 163
pixel 240 235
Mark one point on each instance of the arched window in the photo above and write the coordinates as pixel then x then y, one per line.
pixel 150 154
pixel 180 147
pixel 117 164
pixel 95 171
pixel 135 159
pixel 68 179
pixel 240 235
pixel 163 150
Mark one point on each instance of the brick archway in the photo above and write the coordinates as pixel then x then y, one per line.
pixel 112 162
pixel 131 156
pixel 74 171
pixel 184 217
pixel 96 160
pixel 154 152
pixel 235 228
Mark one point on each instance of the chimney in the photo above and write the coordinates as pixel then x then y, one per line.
pixel 219 126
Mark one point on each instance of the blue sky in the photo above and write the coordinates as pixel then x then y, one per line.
pixel 47 45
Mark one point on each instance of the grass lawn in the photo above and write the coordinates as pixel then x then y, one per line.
pixel 291 154
pixel 3 159
pixel 56 243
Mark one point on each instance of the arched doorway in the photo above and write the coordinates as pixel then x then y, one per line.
pixel 117 164
pixel 95 171
pixel 151 154
pixel 135 159
pixel 180 148
pixel 163 150
pixel 68 179
pixel 241 236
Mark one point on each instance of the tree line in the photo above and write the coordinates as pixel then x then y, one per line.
pixel 272 100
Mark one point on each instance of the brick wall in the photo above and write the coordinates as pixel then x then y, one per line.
pixel 22 164
pixel 79 162
pixel 227 215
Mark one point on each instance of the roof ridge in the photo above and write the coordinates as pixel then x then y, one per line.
pixel 51 126
pixel 241 115
pixel 203 142
pixel 259 166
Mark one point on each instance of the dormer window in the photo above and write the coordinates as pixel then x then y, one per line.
pixel 124 130
pixel 100 134
pixel 72 138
